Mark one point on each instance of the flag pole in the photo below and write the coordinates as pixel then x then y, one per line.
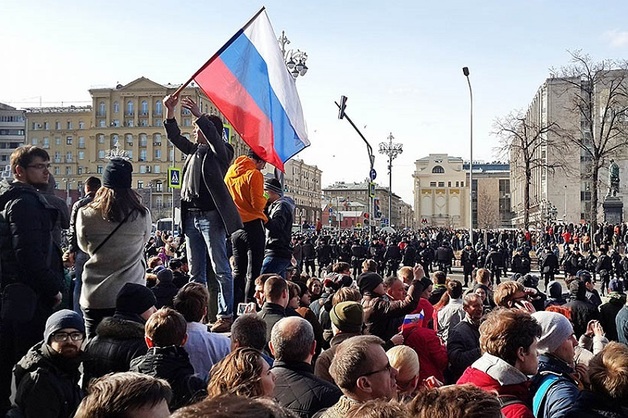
pixel 184 85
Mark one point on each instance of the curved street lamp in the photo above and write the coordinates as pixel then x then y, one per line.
pixel 465 71
pixel 392 151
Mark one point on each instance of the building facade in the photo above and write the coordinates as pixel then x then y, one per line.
pixel 12 135
pixel 491 195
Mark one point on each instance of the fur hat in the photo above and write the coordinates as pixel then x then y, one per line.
pixel 555 330
pixel 64 318
pixel 367 282
pixel 347 316
pixel 135 298
pixel 117 174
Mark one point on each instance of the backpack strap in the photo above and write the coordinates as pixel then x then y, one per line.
pixel 507 400
pixel 541 393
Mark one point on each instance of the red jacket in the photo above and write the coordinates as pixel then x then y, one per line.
pixel 432 353
pixel 520 390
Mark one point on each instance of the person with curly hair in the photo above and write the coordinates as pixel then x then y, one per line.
pixel 244 372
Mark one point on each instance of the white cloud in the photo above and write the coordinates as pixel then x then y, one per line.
pixel 616 38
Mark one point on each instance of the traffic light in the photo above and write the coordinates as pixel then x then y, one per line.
pixel 343 106
pixel 376 212
pixel 372 189
pixel 366 219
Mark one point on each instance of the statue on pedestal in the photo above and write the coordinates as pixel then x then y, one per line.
pixel 613 179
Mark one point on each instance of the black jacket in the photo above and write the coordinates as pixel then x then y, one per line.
pixel 164 293
pixel 47 384
pixel 297 389
pixel 582 311
pixel 172 364
pixel 279 228
pixel 28 254
pixel 463 348
pixel 271 313
pixel 118 341
pixel 594 405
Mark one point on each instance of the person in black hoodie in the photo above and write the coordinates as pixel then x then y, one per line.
pixel 165 290
pixel 582 311
pixel 165 335
pixel 120 338
pixel 609 310
pixel 47 376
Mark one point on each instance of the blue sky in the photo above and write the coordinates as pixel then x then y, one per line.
pixel 399 62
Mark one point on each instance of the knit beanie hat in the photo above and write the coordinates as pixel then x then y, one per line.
pixel 615 285
pixel 273 185
pixel 117 174
pixel 367 282
pixel 134 298
pixel 555 330
pixel 164 276
pixel 347 316
pixel 65 318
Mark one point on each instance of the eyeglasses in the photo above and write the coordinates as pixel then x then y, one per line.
pixel 387 368
pixel 62 337
pixel 39 166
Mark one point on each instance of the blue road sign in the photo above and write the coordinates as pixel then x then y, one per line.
pixel 373 174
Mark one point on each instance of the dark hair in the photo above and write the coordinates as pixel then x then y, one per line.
pixel 249 331
pixel 24 155
pixel 118 395
pixel 341 266
pixel 174 264
pixel 115 204
pixel 166 327
pixel 191 301
pixel 93 183
pixel 439 277
pixel 454 288
pixel 274 286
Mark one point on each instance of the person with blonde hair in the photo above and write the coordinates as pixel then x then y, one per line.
pixel 406 361
pixel 244 372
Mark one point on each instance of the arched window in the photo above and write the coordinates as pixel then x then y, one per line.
pixel 158 107
pixel 116 107
pixel 144 107
pixel 129 107
pixel 101 108
pixel 438 170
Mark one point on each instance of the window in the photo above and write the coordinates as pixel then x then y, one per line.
pixel 46 142
pixel 143 140
pixel 432 184
pixel 157 139
pixel 57 125
pixel 129 139
pixel 129 107
pixel 143 122
pixel 69 124
pixel 68 170
pixel 158 110
pixel 159 186
pixel 46 125
pixel 35 141
pixel 143 155
pixel 101 154
pixel 171 155
pixel 142 169
pixel 115 123
pixel 81 143
pixel 157 169
pixel 448 184
pixel 79 170
pixel 130 154
pixel 68 140
pixel 58 140
pixel 462 184
pixel 457 184
pixel 101 139
pixel 116 107
pixel 57 170
pixel 81 155
pixel 140 184
pixel 144 106
pixel 81 124
pixel 158 154
pixel 187 122
pixel 102 110
pixel 441 184
pixel 102 123
pixel 68 157
pixel 99 169
pixel 438 170
pixel 157 122
pixel 130 123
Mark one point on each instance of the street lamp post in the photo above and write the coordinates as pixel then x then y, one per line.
pixel 465 71
pixel 392 151
pixel 295 59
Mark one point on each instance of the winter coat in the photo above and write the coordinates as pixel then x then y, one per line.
pixel 271 313
pixel 561 394
pixel 215 166
pixel 118 341
pixel 582 311
pixel 621 322
pixel 594 405
pixel 27 251
pixel 383 316
pixel 119 261
pixel 495 375
pixel 608 313
pixel 164 293
pixel 321 367
pixel 299 390
pixel 47 384
pixel 463 348
pixel 339 410
pixel 279 228
pixel 246 186
pixel 173 365
pixel 432 353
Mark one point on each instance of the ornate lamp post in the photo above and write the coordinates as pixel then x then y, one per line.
pixel 295 59
pixel 392 151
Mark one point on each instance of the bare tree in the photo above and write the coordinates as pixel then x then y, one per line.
pixel 523 138
pixel 488 208
pixel 599 96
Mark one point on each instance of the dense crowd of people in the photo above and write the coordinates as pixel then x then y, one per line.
pixel 238 315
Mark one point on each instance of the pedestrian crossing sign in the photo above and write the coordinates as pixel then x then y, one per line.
pixel 174 178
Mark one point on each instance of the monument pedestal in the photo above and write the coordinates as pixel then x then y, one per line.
pixel 613 210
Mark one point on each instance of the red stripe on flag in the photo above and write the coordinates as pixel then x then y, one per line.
pixel 234 101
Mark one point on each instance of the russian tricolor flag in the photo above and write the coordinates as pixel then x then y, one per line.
pixel 248 81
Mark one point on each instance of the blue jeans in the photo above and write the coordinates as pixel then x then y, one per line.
pixel 79 261
pixel 276 265
pixel 205 234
